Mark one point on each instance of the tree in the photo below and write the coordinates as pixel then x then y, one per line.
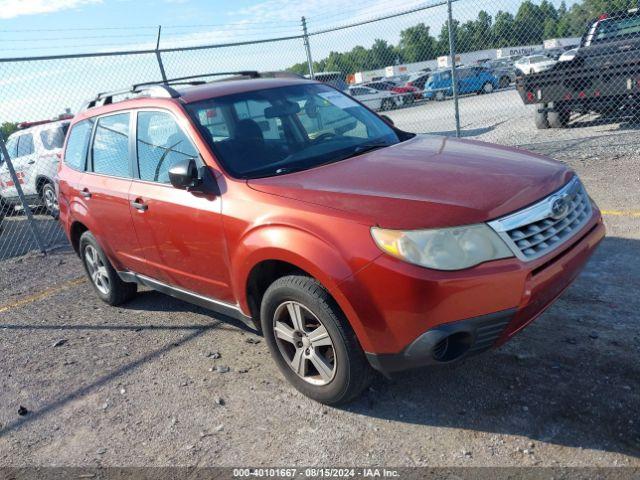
pixel 417 44
pixel 529 24
pixel 382 54
pixel 7 128
pixel 503 30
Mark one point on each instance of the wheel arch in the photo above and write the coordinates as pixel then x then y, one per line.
pixel 272 252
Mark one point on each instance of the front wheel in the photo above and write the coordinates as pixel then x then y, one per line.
pixel 387 104
pixel 311 341
pixel 487 87
pixel 105 280
pixel 439 96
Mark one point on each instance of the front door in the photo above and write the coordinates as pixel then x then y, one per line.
pixel 180 232
pixel 23 157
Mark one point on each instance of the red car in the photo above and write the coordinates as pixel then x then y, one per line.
pixel 352 245
pixel 409 93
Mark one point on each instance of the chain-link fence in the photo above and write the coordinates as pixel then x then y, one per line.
pixel 452 67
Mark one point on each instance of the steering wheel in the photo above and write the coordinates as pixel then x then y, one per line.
pixel 324 136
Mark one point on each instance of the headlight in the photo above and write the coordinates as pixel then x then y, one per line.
pixel 444 248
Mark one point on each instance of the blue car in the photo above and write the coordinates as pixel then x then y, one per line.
pixel 470 80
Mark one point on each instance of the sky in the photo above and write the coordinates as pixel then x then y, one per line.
pixel 31 90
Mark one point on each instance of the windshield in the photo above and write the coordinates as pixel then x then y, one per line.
pixel 285 129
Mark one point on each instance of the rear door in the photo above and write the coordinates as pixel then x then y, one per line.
pixel 180 232
pixel 7 188
pixel 106 187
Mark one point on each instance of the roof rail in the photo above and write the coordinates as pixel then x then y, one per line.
pixel 162 88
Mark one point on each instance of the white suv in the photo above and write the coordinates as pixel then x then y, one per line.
pixel 35 154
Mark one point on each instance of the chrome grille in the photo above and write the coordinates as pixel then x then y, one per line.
pixel 544 226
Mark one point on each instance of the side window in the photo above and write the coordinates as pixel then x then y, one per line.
pixel 75 156
pixel 111 146
pixel 160 144
pixel 25 145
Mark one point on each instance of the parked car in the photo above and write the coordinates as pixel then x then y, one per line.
pixel 418 80
pixel 535 64
pixel 503 70
pixel 407 94
pixel 35 153
pixel 470 80
pixel 352 245
pixel 375 99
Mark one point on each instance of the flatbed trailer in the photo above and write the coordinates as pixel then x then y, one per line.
pixel 603 77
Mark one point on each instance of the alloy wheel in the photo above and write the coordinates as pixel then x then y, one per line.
pixel 50 200
pixel 304 343
pixel 97 270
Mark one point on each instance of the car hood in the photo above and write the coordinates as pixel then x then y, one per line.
pixel 425 182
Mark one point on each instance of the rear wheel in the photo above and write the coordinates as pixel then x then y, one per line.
pixel 487 87
pixel 439 96
pixel 105 280
pixel 541 119
pixel 50 199
pixel 311 341
pixel 559 117
pixel 505 82
pixel 387 104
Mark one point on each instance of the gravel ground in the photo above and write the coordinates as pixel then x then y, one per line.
pixel 141 385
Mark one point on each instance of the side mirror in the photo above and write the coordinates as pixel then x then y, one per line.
pixel 184 174
pixel 387 120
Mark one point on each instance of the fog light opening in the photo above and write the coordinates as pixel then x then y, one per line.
pixel 452 347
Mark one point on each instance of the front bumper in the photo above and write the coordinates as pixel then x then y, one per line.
pixel 410 311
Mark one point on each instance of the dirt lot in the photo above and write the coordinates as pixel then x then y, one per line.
pixel 138 385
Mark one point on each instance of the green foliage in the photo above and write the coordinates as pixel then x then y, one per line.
pixel 533 22
pixel 7 128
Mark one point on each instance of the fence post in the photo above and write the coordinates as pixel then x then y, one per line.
pixel 159 57
pixel 307 47
pixel 23 200
pixel 454 76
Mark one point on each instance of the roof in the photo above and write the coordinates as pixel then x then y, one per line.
pixel 229 87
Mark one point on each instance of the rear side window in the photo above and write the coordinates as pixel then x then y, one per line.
pixel 111 146
pixel 161 144
pixel 25 145
pixel 75 156
pixel 53 138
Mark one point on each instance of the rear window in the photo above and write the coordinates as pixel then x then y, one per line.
pixel 110 153
pixel 75 155
pixel 617 28
pixel 53 138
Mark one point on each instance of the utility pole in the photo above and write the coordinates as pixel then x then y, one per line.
pixel 454 75
pixel 307 47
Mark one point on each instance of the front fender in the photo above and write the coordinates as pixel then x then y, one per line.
pixel 306 251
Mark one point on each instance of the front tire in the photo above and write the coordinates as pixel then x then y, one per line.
pixel 487 88
pixel 105 280
pixel 439 96
pixel 311 341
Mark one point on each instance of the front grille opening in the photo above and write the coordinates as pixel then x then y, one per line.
pixel 452 347
pixel 538 238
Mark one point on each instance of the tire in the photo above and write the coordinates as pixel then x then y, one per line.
pixel 439 96
pixel 387 104
pixel 103 277
pixel 542 121
pixel 559 118
pixel 487 88
pixel 346 370
pixel 50 200
pixel 505 82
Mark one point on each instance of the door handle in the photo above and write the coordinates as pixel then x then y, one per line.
pixel 31 162
pixel 85 193
pixel 139 205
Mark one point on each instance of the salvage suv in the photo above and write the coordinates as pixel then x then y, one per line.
pixel 352 245
pixel 35 151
